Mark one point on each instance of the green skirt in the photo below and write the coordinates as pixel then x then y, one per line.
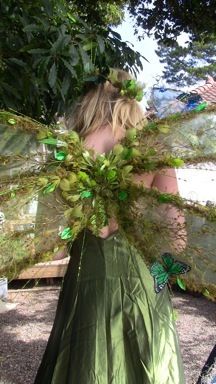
pixel 110 326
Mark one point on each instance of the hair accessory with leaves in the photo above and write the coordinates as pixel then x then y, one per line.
pixel 129 88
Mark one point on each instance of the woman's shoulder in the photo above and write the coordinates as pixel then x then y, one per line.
pixel 102 140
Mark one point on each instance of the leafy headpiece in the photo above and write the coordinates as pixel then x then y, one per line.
pixel 129 88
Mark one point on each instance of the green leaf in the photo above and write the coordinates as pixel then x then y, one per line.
pixel 66 234
pixel 162 198
pixel 77 212
pixel 83 176
pixel 49 140
pixel 61 155
pixel 86 194
pixel 70 68
pixel 52 76
pixel 123 195
pixel 13 194
pixel 127 169
pixel 206 293
pixel 111 175
pixel 49 188
pixel 164 128
pixel 71 18
pixel 89 46
pixel 127 153
pixel 19 62
pixel 177 162
pixel 11 121
pixel 101 44
pixel 38 51
pixel 43 134
pixel 131 134
pixel 181 283
pixel 32 28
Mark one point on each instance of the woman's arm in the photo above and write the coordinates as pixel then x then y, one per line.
pixel 166 181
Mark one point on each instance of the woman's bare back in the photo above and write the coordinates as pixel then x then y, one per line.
pixel 102 141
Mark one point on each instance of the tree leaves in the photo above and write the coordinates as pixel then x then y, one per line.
pixel 49 51
pixel 167 19
pixel 186 65
pixel 52 76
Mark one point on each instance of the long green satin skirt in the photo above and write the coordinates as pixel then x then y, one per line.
pixel 110 326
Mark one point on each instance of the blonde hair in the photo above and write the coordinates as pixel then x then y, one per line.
pixel 103 105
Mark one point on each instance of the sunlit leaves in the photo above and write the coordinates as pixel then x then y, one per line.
pixel 48 54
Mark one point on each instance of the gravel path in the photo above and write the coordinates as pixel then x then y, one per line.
pixel 25 329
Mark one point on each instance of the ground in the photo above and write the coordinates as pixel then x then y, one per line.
pixel 25 329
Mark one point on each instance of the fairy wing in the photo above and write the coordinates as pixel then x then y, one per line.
pixel 31 219
pixel 88 189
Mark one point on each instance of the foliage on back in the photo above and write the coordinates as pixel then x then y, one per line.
pixel 75 189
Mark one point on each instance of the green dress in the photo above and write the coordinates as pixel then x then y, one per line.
pixel 110 326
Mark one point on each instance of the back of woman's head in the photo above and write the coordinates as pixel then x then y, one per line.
pixel 104 105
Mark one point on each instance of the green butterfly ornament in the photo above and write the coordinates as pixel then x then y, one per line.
pixel 162 272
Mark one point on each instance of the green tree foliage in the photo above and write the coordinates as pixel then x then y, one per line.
pixel 166 19
pixel 187 65
pixel 47 53
pixel 99 12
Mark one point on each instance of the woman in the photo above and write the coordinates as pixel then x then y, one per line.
pixel 110 325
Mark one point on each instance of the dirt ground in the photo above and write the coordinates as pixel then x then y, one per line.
pixel 24 331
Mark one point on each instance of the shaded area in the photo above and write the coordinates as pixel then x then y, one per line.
pixel 25 330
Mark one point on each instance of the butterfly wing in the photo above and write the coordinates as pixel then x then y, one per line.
pixel 174 267
pixel 179 268
pixel 168 260
pixel 160 276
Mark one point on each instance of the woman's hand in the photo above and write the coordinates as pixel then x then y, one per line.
pixel 109 229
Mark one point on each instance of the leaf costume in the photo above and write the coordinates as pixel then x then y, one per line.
pixel 110 322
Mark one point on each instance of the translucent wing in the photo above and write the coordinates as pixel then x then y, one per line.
pixel 70 188
pixel 31 219
pixel 165 101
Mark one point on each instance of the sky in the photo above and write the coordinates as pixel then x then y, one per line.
pixel 146 47
pixel 193 184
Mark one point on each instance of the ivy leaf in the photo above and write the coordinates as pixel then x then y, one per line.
pixel 61 155
pixel 86 194
pixel 66 234
pixel 49 188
